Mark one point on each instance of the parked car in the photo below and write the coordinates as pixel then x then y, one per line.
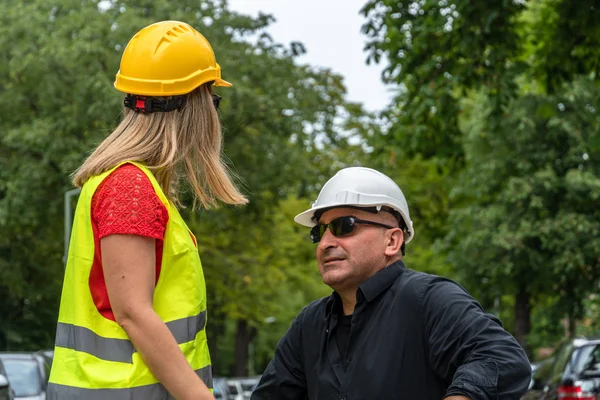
pixel 248 385
pixel 220 389
pixel 5 389
pixel 573 374
pixel 539 375
pixel 236 392
pixel 6 392
pixel 27 374
pixel 46 357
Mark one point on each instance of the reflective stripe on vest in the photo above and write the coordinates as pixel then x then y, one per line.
pixel 121 350
pixel 155 391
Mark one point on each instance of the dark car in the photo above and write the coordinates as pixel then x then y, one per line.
pixel 27 374
pixel 539 375
pixel 6 392
pixel 573 374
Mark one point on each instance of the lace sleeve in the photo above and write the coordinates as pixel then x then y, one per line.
pixel 126 203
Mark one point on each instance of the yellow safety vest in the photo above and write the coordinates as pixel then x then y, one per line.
pixel 93 356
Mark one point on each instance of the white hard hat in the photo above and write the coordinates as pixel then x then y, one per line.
pixel 359 187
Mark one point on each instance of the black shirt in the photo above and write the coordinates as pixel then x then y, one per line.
pixel 413 336
pixel 342 334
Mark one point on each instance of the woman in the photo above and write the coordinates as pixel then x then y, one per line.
pixel 133 309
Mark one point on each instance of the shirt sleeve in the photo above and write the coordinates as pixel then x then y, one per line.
pixel 284 377
pixel 126 203
pixel 469 348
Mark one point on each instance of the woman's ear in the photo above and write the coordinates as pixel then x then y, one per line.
pixel 394 240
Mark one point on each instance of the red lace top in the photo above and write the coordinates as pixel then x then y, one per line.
pixel 124 203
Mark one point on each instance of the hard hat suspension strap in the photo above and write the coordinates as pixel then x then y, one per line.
pixel 149 104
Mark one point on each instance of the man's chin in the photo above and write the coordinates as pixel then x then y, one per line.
pixel 336 281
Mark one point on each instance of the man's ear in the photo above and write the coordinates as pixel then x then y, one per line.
pixel 394 238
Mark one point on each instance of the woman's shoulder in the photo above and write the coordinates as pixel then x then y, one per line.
pixel 126 202
pixel 129 171
pixel 127 178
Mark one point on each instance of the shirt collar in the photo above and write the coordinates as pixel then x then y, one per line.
pixel 381 281
pixel 371 288
pixel 334 303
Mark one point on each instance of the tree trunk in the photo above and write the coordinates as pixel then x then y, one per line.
pixel 572 321
pixel 522 319
pixel 243 336
pixel 217 330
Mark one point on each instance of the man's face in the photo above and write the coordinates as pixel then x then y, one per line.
pixel 345 262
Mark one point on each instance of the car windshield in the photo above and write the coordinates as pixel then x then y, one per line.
pixel 23 376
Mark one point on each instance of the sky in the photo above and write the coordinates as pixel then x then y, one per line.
pixel 330 31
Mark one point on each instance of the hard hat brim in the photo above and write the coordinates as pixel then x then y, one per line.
pixel 222 83
pixel 306 218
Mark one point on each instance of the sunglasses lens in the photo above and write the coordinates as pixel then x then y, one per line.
pixel 316 233
pixel 339 227
pixel 342 226
pixel 216 101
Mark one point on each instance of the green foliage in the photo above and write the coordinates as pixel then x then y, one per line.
pixel 425 184
pixel 565 38
pixel 436 50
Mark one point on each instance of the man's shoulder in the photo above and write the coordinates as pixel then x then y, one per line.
pixel 417 277
pixel 417 282
pixel 412 279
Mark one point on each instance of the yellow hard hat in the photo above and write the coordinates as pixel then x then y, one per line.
pixel 168 58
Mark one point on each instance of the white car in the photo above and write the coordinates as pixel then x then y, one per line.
pixel 236 392
pixel 26 375
pixel 248 386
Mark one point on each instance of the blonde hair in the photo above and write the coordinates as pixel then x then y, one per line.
pixel 171 144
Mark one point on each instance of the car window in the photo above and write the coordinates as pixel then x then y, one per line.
pixel 23 376
pixel 588 360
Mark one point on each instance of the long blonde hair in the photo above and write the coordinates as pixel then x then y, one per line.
pixel 171 144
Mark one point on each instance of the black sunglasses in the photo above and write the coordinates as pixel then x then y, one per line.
pixel 216 101
pixel 340 227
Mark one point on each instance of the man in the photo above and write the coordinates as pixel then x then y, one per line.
pixel 386 332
